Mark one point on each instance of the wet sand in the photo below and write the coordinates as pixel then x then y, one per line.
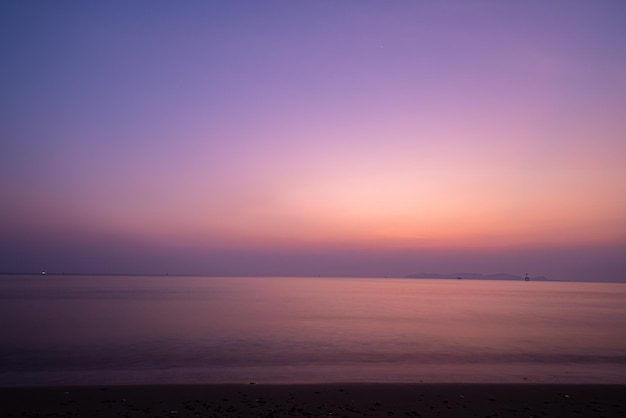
pixel 318 400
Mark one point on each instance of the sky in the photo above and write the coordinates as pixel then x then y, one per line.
pixel 365 138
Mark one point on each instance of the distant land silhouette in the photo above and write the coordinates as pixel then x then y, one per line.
pixel 474 276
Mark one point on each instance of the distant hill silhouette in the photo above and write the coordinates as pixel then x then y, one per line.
pixel 473 276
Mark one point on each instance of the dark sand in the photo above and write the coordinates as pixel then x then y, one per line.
pixel 319 400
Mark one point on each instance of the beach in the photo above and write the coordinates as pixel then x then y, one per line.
pixel 318 400
pixel 95 346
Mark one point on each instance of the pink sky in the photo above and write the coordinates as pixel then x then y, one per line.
pixel 314 137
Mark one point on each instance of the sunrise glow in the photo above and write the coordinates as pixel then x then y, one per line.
pixel 422 126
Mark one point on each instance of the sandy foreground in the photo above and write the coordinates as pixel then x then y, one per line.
pixel 318 400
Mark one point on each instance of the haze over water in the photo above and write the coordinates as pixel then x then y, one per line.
pixel 104 330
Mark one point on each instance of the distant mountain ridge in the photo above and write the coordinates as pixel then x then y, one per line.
pixel 473 276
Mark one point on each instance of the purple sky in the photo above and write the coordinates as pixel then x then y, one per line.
pixel 321 137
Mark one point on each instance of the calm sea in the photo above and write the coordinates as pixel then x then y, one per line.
pixel 130 329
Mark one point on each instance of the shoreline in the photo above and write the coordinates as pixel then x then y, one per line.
pixel 437 276
pixel 323 399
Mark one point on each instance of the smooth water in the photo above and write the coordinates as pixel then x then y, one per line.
pixel 135 329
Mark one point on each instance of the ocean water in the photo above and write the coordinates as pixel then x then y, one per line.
pixel 87 330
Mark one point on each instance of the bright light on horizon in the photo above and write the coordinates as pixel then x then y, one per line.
pixel 205 127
